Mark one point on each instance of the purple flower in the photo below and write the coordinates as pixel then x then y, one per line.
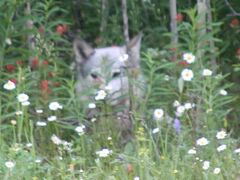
pixel 177 125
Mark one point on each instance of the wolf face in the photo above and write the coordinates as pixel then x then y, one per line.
pixel 114 70
pixel 106 67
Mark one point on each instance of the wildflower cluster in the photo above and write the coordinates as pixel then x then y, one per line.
pixel 187 74
pixel 66 145
pixel 199 150
pixel 23 99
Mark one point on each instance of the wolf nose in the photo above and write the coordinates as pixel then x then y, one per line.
pixel 99 80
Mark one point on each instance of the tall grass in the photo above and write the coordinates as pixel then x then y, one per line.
pixel 51 138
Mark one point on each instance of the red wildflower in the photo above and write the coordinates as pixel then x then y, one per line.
pixel 129 168
pixel 183 63
pixel 19 62
pixel 13 80
pixel 45 62
pixel 234 22
pixel 35 63
pixel 41 29
pixel 10 68
pixel 44 86
pixel 179 17
pixel 61 29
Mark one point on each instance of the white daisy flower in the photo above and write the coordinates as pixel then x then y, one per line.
pixel 206 165
pixel 67 146
pixel 155 130
pixel 136 178
pixel 221 134
pixel 166 77
pixel 10 164
pixel 101 94
pixel 41 123
pixel 187 74
pixel 13 122
pixel 93 119
pixel 38 161
pixel 237 150
pixel 56 140
pixel 216 171
pixel 18 113
pixel 180 110
pixel 109 138
pixel 188 106
pixel 29 145
pixel 80 130
pixel 158 114
pixel 54 106
pixel 207 72
pixel 192 151
pixel 52 118
pixel 91 106
pixel 202 141
pixel 221 148
pixel 25 103
pixel 189 57
pixel 22 97
pixel 9 86
pixel 223 92
pixel 104 152
pixel 176 103
pixel 8 41
pixel 39 111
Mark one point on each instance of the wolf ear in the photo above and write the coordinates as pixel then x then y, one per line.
pixel 82 50
pixel 133 50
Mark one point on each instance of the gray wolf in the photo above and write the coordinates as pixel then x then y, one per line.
pixel 114 70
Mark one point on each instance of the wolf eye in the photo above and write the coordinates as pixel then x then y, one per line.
pixel 116 74
pixel 94 76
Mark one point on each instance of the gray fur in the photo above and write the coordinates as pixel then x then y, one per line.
pixel 89 60
pixel 101 67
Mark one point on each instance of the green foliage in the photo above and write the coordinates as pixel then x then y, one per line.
pixel 35 145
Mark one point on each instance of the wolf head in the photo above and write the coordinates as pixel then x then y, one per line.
pixel 106 67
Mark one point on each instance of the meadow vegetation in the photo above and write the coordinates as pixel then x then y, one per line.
pixel 185 127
